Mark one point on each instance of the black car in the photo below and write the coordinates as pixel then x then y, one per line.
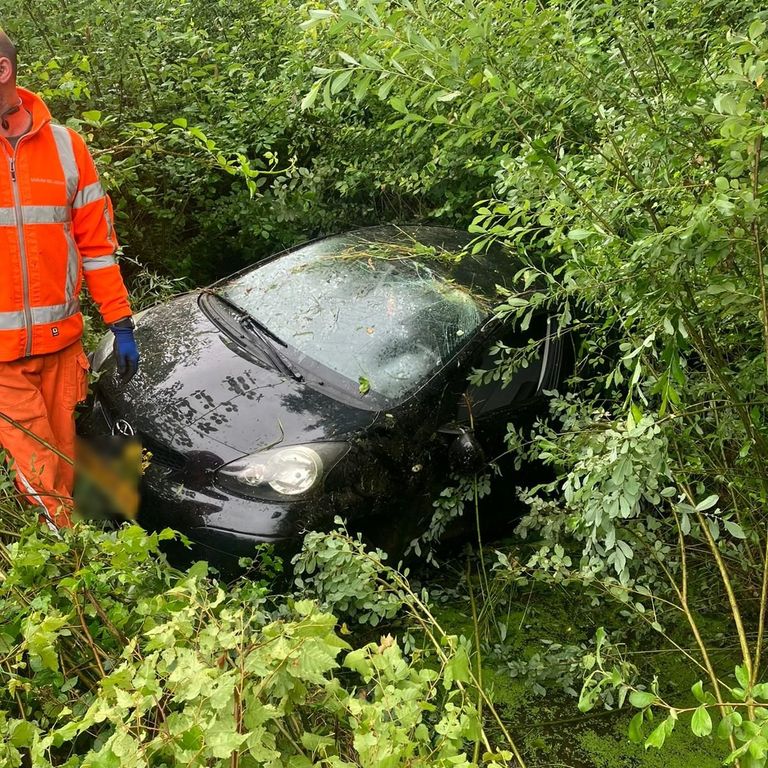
pixel 329 380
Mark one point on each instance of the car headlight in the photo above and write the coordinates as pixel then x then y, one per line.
pixel 289 471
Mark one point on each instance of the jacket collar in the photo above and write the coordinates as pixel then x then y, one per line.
pixel 36 107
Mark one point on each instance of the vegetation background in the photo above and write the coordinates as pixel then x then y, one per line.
pixel 617 150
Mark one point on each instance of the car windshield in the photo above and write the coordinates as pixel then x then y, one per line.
pixel 384 315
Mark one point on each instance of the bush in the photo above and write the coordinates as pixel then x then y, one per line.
pixel 112 658
pixel 628 150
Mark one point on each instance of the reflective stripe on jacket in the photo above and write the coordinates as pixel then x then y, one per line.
pixel 55 228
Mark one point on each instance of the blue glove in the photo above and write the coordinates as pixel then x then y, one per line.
pixel 126 351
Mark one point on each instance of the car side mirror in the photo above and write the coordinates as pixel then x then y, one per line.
pixel 466 454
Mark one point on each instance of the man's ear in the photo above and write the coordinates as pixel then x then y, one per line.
pixel 6 71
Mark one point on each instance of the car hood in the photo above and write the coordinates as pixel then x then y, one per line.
pixel 196 388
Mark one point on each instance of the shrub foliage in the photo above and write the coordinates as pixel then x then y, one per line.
pixel 617 148
pixel 112 658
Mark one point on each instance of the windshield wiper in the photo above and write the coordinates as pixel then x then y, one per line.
pixel 256 329
pixel 239 311
pixel 246 317
pixel 268 340
pixel 256 325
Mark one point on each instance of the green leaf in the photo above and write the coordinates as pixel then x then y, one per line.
pixel 756 29
pixel 364 386
pixel 385 88
pixel 124 746
pixel 760 691
pixel 708 503
pixel 222 739
pixel 725 728
pixel 371 62
pixel 315 742
pixel 359 661
pixel 734 529
pixel 701 722
pixel 398 104
pixel 588 696
pixel 636 728
pixel 658 735
pixel 308 101
pixel 22 733
pixel 41 637
pixel 316 16
pixel 742 676
pixel 641 699
pixel 340 82
pixel 362 87
pixel 457 669
pixel 314 661
pixel 327 96
pixel 725 103
pixel 221 693
pixel 348 59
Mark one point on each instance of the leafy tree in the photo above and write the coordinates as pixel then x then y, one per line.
pixel 194 114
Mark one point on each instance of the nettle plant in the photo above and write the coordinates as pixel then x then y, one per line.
pixel 631 176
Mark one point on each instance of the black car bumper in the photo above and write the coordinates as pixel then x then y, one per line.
pixel 178 491
pixel 215 517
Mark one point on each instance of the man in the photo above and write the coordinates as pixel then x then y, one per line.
pixel 55 229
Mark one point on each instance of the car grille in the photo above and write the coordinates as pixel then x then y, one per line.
pixel 162 454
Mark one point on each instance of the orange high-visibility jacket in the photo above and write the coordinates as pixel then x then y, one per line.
pixel 55 227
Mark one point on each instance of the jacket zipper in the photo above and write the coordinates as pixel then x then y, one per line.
pixel 22 253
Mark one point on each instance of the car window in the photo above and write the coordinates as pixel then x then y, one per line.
pixel 545 370
pixel 381 314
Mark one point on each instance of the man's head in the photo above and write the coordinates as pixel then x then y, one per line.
pixel 7 63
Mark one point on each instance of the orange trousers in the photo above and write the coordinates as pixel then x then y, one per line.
pixel 40 394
